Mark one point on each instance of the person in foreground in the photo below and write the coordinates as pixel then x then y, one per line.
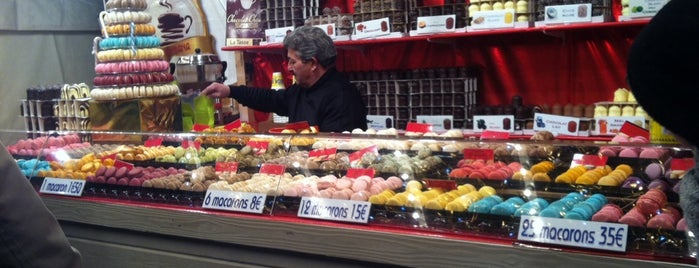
pixel 29 234
pixel 322 95
pixel 662 70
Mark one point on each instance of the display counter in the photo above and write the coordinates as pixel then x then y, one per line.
pixel 358 200
pixel 176 235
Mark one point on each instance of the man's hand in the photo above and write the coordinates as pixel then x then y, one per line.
pixel 216 90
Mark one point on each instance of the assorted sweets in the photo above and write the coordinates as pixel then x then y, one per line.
pixel 129 61
pixel 623 104
pixel 521 8
pixel 38 108
pixel 527 178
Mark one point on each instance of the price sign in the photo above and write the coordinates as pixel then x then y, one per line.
pixel 494 135
pixel 573 233
pixel 645 8
pixel 111 156
pixel 444 184
pixel 633 130
pixel 322 154
pixel 232 125
pixel 231 167
pixel 589 160
pixel 66 187
pixel 199 127
pixel 334 209
pixel 119 164
pixel 259 147
pixel 154 142
pixel 297 126
pixel 418 127
pixel 682 163
pixel 234 201
pixel 357 172
pixel 191 144
pixel 356 156
pixel 272 169
pixel 479 154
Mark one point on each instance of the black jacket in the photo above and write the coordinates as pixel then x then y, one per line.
pixel 333 103
pixel 29 233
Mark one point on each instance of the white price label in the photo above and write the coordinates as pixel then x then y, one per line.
pixel 493 19
pixel 372 28
pixel 436 24
pixel 334 209
pixel 574 233
pixel 493 122
pixel 438 122
pixel 234 201
pixel 66 187
pixel 556 124
pixel 645 8
pixel 568 13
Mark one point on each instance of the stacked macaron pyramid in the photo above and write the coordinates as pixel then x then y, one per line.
pixel 129 61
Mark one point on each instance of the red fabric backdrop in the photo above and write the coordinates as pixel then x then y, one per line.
pixel 578 66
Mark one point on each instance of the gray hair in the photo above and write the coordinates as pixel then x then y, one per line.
pixel 310 42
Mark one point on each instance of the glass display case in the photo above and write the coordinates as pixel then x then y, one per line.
pixel 595 198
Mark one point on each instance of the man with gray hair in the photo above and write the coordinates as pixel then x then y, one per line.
pixel 322 95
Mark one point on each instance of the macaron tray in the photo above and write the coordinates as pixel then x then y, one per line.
pixel 404 185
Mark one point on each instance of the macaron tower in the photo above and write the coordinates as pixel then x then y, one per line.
pixel 133 89
pixel 129 61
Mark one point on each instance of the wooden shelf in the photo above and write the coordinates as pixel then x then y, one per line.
pixel 346 44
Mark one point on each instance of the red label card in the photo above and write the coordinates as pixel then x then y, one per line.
pixel 259 147
pixel 301 125
pixel 594 160
pixel 356 156
pixel 682 163
pixel 357 172
pixel 479 154
pixel 191 144
pixel 322 154
pixel 634 130
pixel 231 167
pixel 233 125
pixel 418 127
pixel 154 142
pixel 118 164
pixel 199 127
pixel 111 156
pixel 272 169
pixel 589 160
pixel 494 135
pixel 444 184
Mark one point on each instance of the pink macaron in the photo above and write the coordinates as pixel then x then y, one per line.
pixel 633 218
pixel 628 152
pixel 649 153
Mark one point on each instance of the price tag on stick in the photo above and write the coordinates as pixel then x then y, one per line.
pixel 334 209
pixel 573 233
pixel 234 201
pixel 66 187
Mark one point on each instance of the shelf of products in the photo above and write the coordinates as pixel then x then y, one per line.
pixel 413 186
pixel 454 36
pixel 546 66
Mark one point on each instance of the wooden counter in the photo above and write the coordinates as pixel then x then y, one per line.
pixel 120 234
